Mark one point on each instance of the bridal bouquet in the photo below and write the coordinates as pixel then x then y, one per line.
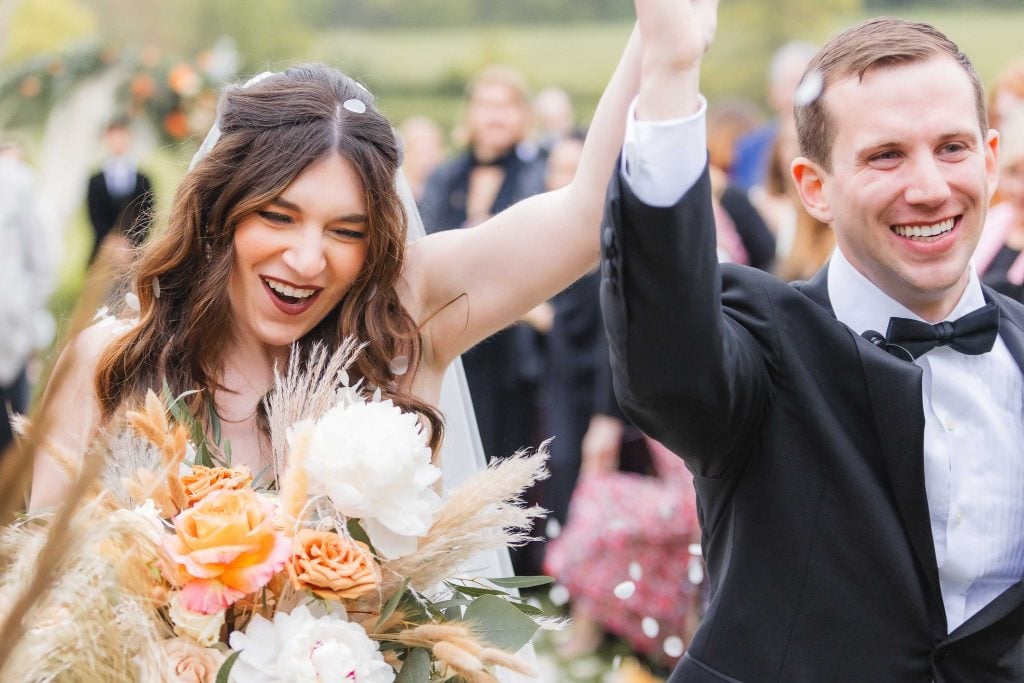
pixel 346 566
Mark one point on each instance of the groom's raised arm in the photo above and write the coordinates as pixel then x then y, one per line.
pixel 686 370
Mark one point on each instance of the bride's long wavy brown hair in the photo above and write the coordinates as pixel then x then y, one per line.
pixel 270 132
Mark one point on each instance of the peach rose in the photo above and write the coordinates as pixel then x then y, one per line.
pixel 189 663
pixel 226 547
pixel 332 566
pixel 202 481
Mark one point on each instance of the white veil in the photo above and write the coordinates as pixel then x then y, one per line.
pixel 462 453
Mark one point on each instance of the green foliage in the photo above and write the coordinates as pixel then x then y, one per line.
pixel 39 27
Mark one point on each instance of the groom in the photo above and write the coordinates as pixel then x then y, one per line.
pixel 861 481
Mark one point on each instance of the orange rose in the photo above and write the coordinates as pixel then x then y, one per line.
pixel 332 566
pixel 203 481
pixel 226 547
pixel 189 663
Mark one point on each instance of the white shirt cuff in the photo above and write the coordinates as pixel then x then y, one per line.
pixel 662 160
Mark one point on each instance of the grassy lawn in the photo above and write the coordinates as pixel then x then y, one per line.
pixel 422 71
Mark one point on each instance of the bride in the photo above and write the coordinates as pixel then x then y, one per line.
pixel 290 231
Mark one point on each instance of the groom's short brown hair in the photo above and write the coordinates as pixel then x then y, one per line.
pixel 873 44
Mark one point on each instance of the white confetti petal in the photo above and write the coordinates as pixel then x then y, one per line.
pixel 650 627
pixel 132 302
pixel 101 313
pixel 156 287
pixel 559 595
pixel 399 365
pixel 363 87
pixel 616 662
pixel 809 89
pixel 354 105
pixel 636 572
pixel 376 395
pixel 674 646
pixel 695 571
pixel 695 549
pixel 625 590
pixel 552 529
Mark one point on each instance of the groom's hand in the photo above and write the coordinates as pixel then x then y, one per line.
pixel 675 35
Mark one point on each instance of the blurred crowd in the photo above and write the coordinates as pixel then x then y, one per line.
pixel 622 537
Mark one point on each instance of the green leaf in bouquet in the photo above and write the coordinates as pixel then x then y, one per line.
pixel 453 602
pixel 357 532
pixel 225 668
pixel 392 604
pixel 227 452
pixel 522 581
pixel 528 609
pixel 453 613
pixel 500 622
pixel 415 668
pixel 214 421
pixel 474 591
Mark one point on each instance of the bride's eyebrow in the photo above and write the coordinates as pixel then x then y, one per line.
pixel 347 218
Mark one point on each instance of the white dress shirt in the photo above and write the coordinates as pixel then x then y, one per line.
pixel 973 405
pixel 120 176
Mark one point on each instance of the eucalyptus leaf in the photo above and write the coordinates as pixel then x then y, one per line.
pixel 415 668
pixel 522 581
pixel 357 532
pixel 500 623
pixel 475 592
pixel 225 669
pixel 454 602
pixel 214 421
pixel 528 609
pixel 392 604
pixel 453 613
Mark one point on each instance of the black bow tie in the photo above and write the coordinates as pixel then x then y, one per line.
pixel 973 334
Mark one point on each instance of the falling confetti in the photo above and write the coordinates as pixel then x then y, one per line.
pixel 636 572
pixel 354 105
pixel 399 365
pixel 553 529
pixel 649 625
pixel 809 89
pixel 674 646
pixel 156 287
pixel 132 302
pixel 559 595
pixel 695 550
pixel 625 590
pixel 695 571
pixel 616 662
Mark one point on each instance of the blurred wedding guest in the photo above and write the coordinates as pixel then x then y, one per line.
pixel 497 169
pixel 753 150
pixel 1006 96
pixel 25 279
pixel 743 236
pixel 808 243
pixel 554 118
pixel 422 149
pixel 999 257
pixel 574 346
pixel 120 198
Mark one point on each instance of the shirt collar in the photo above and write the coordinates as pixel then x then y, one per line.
pixel 861 305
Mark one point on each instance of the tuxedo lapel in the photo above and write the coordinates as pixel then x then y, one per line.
pixel 894 391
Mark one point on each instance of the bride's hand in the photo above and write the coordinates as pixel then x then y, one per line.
pixel 675 35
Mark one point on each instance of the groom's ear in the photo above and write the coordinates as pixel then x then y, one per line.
pixel 810 180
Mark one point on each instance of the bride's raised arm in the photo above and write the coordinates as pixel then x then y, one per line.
pixel 467 284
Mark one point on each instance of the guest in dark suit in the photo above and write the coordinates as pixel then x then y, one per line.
pixel 498 169
pixel 120 198
pixel 861 496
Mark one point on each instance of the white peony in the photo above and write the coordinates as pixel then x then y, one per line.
pixel 203 629
pixel 301 648
pixel 373 462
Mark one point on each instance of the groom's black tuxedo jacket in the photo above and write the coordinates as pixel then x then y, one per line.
pixel 806 444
